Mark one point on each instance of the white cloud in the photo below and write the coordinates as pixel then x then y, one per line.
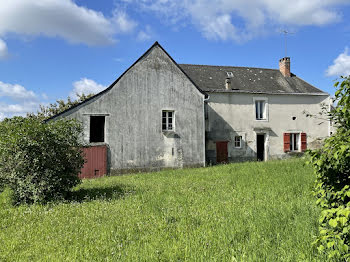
pixel 241 19
pixel 3 49
pixel 86 86
pixel 44 96
pixel 145 35
pixel 220 28
pixel 19 109
pixel 123 23
pixel 61 18
pixel 16 100
pixel 16 92
pixel 341 65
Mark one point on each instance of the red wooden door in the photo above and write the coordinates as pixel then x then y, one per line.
pixel 221 152
pixel 96 162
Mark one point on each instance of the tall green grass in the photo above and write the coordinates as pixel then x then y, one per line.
pixel 237 212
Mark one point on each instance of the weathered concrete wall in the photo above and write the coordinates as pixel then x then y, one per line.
pixel 133 109
pixel 233 114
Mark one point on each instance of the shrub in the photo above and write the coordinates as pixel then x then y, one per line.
pixel 38 161
pixel 332 166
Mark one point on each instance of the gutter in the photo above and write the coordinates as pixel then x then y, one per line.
pixel 268 93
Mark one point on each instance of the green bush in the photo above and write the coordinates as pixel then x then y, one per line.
pixel 332 166
pixel 39 162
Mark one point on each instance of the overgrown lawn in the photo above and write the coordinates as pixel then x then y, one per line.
pixel 237 212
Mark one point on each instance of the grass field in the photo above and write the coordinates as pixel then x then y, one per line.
pixel 237 212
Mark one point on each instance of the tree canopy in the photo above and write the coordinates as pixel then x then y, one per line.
pixel 332 167
pixel 57 107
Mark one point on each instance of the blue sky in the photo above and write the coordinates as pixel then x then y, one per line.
pixel 51 49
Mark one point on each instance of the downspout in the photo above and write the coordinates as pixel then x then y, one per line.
pixel 205 100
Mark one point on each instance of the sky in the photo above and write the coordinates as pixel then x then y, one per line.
pixel 52 49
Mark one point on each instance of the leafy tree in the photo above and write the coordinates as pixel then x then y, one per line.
pixel 40 162
pixel 59 106
pixel 332 167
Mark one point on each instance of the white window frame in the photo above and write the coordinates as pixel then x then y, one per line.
pixel 266 108
pixel 238 143
pixel 292 137
pixel 167 124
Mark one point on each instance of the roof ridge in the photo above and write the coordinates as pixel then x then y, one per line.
pixel 232 66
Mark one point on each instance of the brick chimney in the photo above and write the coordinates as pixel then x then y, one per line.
pixel 285 66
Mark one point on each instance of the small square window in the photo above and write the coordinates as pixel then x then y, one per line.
pixel 168 120
pixel 238 141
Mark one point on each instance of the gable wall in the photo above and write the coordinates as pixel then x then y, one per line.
pixel 133 126
pixel 233 114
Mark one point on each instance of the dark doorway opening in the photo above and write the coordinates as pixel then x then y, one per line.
pixel 97 129
pixel 221 152
pixel 260 147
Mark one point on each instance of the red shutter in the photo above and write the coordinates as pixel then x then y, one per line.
pixel 303 142
pixel 286 142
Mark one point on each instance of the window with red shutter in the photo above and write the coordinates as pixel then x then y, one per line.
pixel 303 142
pixel 286 142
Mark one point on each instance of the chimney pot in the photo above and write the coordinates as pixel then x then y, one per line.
pixel 284 65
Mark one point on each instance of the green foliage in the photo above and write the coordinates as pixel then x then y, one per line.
pixel 39 162
pixel 237 212
pixel 59 106
pixel 332 167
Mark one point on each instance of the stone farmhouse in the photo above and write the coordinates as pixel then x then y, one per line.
pixel 160 114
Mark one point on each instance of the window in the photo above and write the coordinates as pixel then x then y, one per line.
pixel 168 120
pixel 238 141
pixel 97 129
pixel 260 109
pixel 229 74
pixel 294 142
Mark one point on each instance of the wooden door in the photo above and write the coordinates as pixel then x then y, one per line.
pixel 95 162
pixel 221 152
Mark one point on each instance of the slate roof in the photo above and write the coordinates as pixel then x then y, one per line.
pixel 247 79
